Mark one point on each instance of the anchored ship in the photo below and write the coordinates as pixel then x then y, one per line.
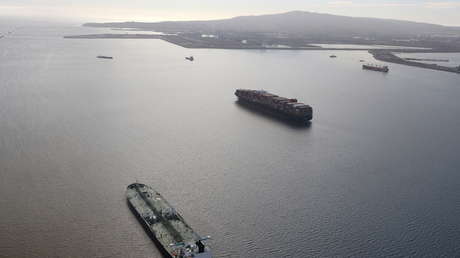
pixel 288 108
pixel 165 226
pixel 105 57
pixel 190 58
pixel 378 68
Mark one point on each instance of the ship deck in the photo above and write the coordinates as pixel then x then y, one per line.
pixel 168 227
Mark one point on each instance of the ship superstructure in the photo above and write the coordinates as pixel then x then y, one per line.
pixel 289 108
pixel 165 225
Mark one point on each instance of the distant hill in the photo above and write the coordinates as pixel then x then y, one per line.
pixel 298 23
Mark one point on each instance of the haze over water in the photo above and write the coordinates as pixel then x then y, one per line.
pixel 375 174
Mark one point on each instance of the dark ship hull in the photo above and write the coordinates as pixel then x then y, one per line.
pixel 274 105
pixel 383 69
pixel 105 57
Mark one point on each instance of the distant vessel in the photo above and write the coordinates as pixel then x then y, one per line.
pixel 378 68
pixel 190 58
pixel 164 225
pixel 105 57
pixel 332 56
pixel 288 108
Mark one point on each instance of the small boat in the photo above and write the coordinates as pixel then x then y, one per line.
pixel 190 58
pixel 105 57
pixel 332 56
pixel 361 61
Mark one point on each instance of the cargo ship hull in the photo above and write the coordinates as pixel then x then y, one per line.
pixel 174 237
pixel 271 112
pixel 274 105
pixel 383 69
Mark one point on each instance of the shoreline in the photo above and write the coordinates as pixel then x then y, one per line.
pixel 390 57
pixel 381 54
pixel 196 44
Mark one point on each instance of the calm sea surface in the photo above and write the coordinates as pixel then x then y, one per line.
pixel 377 173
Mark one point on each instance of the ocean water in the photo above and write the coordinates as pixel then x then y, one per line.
pixel 376 173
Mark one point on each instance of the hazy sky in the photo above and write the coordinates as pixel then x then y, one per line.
pixel 433 11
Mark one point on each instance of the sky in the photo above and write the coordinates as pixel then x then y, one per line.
pixel 446 12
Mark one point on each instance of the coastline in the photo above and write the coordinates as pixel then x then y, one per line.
pixel 381 54
pixel 390 57
pixel 188 42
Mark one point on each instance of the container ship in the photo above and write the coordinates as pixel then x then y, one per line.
pixel 105 57
pixel 287 108
pixel 164 225
pixel 378 68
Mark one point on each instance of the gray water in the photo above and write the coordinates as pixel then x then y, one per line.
pixel 376 173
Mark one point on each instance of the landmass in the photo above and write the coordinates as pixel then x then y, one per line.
pixel 187 41
pixel 427 59
pixel 390 57
pixel 301 31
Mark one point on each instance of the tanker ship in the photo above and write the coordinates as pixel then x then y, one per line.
pixel 287 108
pixel 164 225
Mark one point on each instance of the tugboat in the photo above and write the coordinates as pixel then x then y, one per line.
pixel 164 224
pixel 190 58
pixel 378 68
pixel 105 57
